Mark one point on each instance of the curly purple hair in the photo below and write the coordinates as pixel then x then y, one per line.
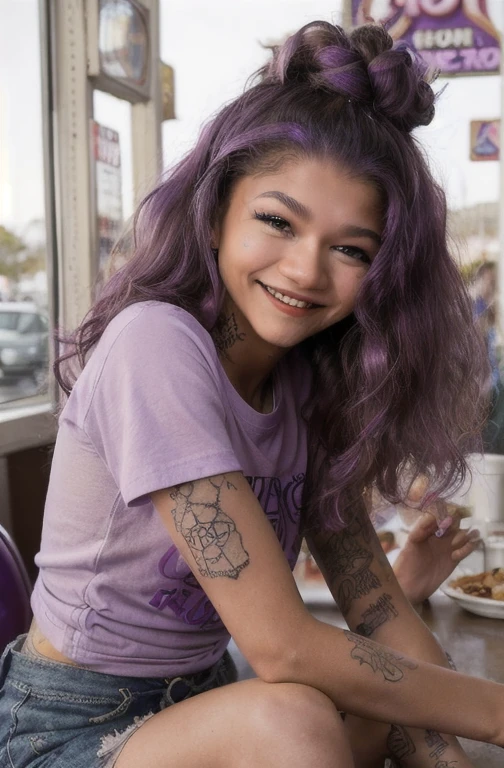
pixel 399 382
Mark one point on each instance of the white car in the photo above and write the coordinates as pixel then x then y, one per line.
pixel 24 341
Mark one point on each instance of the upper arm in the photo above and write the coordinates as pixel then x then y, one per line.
pixel 223 534
pixel 360 577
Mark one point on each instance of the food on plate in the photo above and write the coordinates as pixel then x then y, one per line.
pixel 489 584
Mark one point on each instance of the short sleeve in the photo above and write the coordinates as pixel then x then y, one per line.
pixel 156 414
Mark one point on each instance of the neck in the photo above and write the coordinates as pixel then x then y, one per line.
pixel 247 360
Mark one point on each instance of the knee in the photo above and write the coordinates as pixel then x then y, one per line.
pixel 305 719
pixel 288 705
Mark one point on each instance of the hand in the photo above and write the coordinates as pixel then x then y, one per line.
pixel 427 560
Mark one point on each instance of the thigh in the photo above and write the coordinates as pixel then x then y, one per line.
pixel 246 724
pixel 57 715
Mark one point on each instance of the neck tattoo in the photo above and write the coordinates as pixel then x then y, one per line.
pixel 225 333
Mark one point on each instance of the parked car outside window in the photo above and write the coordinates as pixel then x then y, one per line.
pixel 24 342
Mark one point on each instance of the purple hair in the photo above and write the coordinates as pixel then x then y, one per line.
pixel 399 382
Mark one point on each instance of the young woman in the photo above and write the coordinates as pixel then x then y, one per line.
pixel 289 332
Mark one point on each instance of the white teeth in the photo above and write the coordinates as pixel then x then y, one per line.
pixel 287 299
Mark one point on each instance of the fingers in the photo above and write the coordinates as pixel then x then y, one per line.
pixel 425 526
pixel 444 526
pixel 460 538
pixel 464 545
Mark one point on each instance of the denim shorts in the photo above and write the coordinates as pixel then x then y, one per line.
pixel 57 715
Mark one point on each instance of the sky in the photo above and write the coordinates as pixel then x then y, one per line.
pixel 214 48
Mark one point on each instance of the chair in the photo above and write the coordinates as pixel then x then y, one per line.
pixel 15 590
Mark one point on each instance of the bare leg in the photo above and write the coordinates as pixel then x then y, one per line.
pixel 250 724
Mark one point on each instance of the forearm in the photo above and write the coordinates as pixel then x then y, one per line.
pixel 410 747
pixel 410 635
pixel 402 574
pixel 405 631
pixel 414 748
pixel 406 579
pixel 373 682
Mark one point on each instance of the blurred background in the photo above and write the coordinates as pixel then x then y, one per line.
pixel 97 97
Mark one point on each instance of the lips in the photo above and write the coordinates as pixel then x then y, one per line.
pixel 289 299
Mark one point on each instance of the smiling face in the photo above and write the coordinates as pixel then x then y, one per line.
pixel 294 247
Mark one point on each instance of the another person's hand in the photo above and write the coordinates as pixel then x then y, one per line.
pixel 427 559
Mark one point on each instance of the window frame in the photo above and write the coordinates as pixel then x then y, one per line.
pixel 30 422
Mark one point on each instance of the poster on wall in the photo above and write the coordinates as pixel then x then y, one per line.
pixel 109 207
pixel 485 140
pixel 455 37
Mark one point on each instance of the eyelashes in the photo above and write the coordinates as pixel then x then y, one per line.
pixel 280 224
pixel 354 253
pixel 276 222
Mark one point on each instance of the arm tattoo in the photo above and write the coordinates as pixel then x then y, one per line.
pixel 436 743
pixel 225 333
pixel 400 746
pixel 399 743
pixel 211 535
pixel 348 564
pixel 388 663
pixel 377 614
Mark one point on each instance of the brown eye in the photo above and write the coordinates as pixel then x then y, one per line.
pixel 276 222
pixel 353 253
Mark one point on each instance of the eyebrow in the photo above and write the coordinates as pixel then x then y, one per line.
pixel 294 205
pixel 351 230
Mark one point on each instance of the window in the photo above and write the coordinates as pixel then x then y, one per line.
pixel 24 336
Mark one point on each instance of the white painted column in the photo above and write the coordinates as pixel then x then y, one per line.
pixel 146 120
pixel 72 97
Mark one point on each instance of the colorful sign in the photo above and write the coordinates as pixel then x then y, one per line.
pixel 109 210
pixel 485 139
pixel 456 37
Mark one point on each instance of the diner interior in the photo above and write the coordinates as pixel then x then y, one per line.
pixel 83 133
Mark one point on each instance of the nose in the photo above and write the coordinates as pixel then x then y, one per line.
pixel 305 265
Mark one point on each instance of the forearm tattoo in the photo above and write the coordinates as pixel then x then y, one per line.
pixel 400 746
pixel 225 333
pixel 211 535
pixel 388 663
pixel 399 743
pixel 377 614
pixel 446 764
pixel 348 564
pixel 436 744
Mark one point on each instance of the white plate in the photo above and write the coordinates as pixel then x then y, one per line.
pixel 481 606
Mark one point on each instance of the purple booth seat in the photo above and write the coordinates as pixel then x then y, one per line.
pixel 15 590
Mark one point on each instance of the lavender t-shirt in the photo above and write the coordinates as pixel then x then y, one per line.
pixel 154 408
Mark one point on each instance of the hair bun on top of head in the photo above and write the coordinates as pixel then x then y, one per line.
pixel 363 66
